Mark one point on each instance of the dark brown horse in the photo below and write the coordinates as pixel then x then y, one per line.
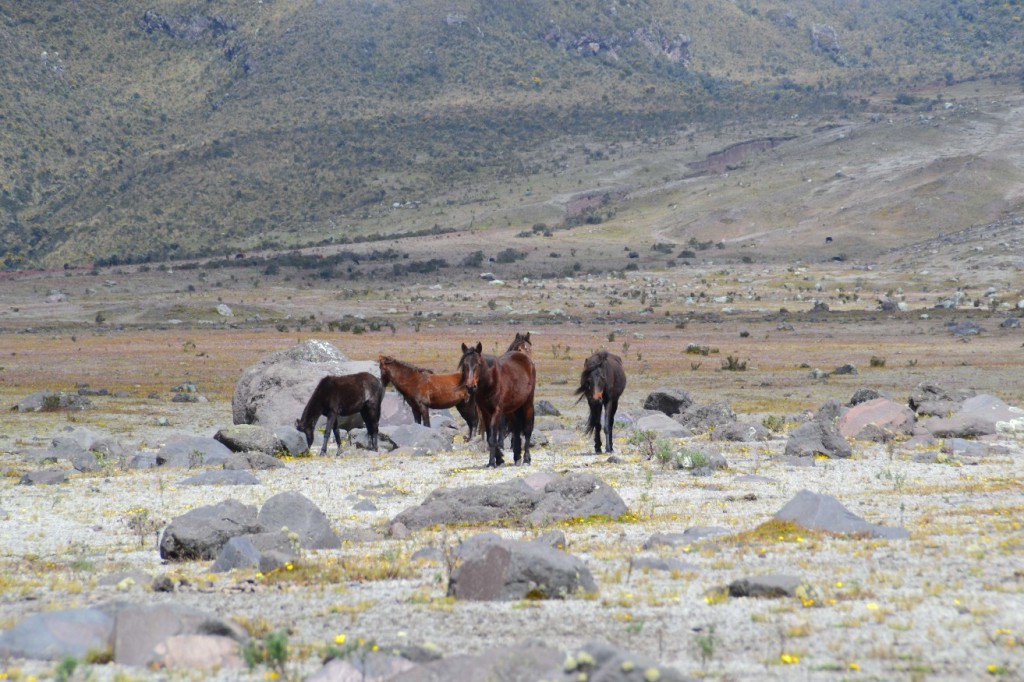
pixel 602 382
pixel 340 396
pixel 521 343
pixel 422 390
pixel 502 388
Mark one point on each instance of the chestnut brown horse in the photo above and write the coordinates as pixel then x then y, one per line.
pixel 422 390
pixel 602 382
pixel 502 388
pixel 340 396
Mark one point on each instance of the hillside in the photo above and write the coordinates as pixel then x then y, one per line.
pixel 147 131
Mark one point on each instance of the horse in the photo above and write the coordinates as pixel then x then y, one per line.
pixel 521 343
pixel 422 390
pixel 340 396
pixel 502 388
pixel 602 382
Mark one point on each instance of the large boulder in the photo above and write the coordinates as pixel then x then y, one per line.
pixel 662 425
pixel 576 496
pixel 703 418
pixel 53 635
pixel 299 515
pixel 274 391
pixel 200 533
pixel 494 569
pixel 880 412
pixel 980 415
pixel 250 438
pixel 815 438
pixel 141 628
pixel 262 551
pixel 934 400
pixel 668 401
pixel 534 501
pixel 193 451
pixel 825 513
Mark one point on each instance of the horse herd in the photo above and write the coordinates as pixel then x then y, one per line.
pixel 492 393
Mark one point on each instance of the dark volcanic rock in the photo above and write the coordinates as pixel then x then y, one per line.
pixel 200 533
pixel 504 570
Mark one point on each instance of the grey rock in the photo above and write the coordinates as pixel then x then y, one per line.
pixel 140 628
pixel 932 399
pixel 964 328
pixel 577 495
pixel 684 538
pixel 193 451
pixel 274 391
pixel 846 369
pixel 668 401
pixel 862 395
pixel 44 477
pixel 825 513
pixel 53 635
pixel 703 418
pixel 541 500
pixel 817 438
pixel 200 533
pixel 668 565
pixel 765 586
pixel 740 432
pixel 472 504
pixel 544 408
pixel 298 514
pixel 508 570
pixel 221 477
pixel 662 425
pixel 364 506
pixel 256 461
pixel 48 400
pixel 293 440
pixel 526 662
pixel 419 436
pixel 263 551
pixel 250 438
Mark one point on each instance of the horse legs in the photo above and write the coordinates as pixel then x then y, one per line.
pixel 371 417
pixel 424 414
pixel 526 424
pixel 516 424
pixel 609 415
pixel 596 424
pixel 468 411
pixel 332 426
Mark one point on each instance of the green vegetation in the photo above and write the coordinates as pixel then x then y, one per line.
pixel 132 134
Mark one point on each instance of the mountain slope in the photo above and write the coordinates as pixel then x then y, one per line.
pixel 148 131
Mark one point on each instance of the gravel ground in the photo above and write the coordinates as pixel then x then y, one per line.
pixel 945 604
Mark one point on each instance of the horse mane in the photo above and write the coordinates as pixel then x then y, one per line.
pixel 407 365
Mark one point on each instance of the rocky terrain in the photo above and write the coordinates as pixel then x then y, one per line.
pixel 783 382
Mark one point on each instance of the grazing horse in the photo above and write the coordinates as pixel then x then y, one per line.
pixel 602 382
pixel 340 396
pixel 502 388
pixel 422 390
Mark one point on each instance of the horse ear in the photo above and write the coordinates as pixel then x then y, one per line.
pixel 479 347
pixel 527 337
pixel 464 348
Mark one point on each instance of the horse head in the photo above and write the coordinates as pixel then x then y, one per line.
pixel 306 430
pixel 522 344
pixel 385 374
pixel 469 366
